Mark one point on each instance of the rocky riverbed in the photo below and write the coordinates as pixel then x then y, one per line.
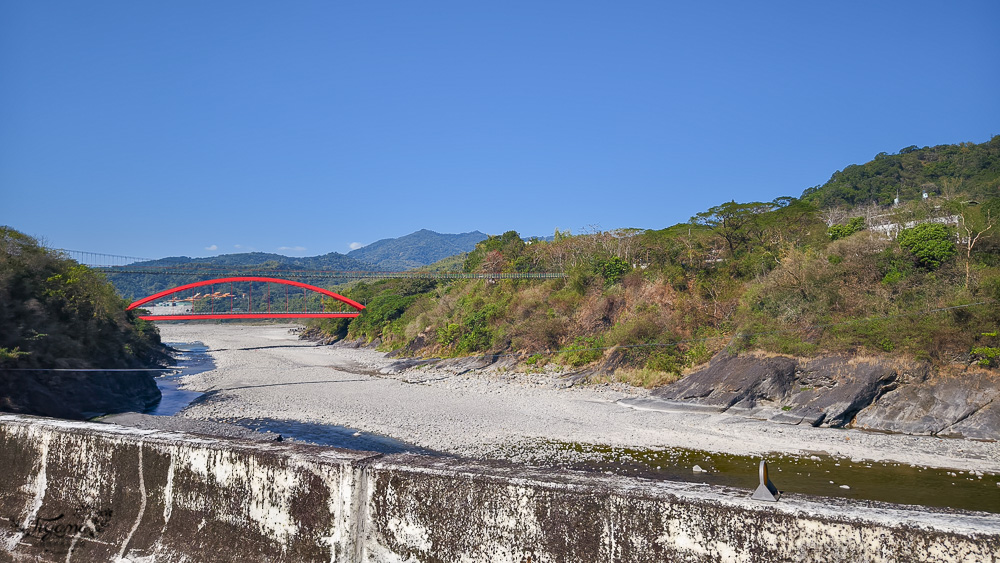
pixel 493 412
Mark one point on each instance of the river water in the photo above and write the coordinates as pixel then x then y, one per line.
pixel 192 358
pixel 812 474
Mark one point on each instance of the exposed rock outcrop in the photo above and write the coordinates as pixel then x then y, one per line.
pixel 832 390
pixel 735 382
pixel 77 395
pixel 452 365
pixel 877 394
pixel 945 406
pixel 984 424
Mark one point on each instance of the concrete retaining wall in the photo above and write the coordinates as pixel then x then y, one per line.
pixel 94 492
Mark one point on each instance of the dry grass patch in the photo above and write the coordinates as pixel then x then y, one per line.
pixel 637 377
pixel 655 293
pixel 764 354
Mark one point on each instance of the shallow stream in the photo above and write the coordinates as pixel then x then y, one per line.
pixel 192 358
pixel 813 474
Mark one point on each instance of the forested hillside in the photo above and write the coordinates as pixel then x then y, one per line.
pixel 416 250
pixel 838 270
pixel 186 270
pixel 944 170
pixel 55 313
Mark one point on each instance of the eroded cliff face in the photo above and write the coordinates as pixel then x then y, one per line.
pixel 838 391
pixel 966 406
pixel 76 395
pixel 91 492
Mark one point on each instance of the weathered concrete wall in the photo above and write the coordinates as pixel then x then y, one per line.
pixel 93 492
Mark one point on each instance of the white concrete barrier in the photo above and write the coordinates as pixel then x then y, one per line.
pixel 97 492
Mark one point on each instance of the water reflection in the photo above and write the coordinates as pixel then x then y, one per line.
pixel 192 358
pixel 820 475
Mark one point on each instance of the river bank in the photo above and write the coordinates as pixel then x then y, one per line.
pixel 266 372
pixel 77 394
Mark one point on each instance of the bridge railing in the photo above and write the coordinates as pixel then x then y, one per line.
pixel 99 259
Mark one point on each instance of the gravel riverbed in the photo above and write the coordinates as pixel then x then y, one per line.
pixel 267 372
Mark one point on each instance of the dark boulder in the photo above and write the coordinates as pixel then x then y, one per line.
pixel 735 381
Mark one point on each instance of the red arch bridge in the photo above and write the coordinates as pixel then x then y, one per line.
pixel 234 298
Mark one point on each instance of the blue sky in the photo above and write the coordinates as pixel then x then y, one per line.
pixel 197 128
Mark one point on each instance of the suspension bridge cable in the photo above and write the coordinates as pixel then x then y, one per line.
pixel 99 259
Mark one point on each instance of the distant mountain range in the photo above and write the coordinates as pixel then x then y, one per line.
pixel 415 250
pixel 408 252
pixel 331 261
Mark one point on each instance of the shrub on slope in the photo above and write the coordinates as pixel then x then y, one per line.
pixel 56 313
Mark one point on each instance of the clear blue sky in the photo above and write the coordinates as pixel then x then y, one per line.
pixel 197 128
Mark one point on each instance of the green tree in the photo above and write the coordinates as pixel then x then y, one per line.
pixel 382 310
pixel 613 269
pixel 930 243
pixel 987 355
pixel 906 174
pixel 735 222
pixel 838 232
pixel 504 253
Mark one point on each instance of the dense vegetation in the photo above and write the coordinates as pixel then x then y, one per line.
pixel 944 170
pixel 55 313
pixel 187 270
pixel 838 270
